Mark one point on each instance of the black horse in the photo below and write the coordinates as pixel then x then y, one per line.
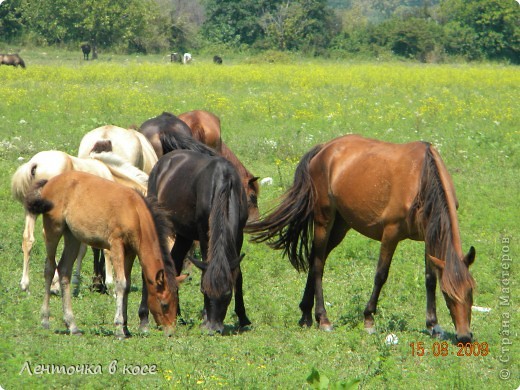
pixel 205 198
pixel 166 123
pixel 85 48
pixel 217 60
pixel 12 59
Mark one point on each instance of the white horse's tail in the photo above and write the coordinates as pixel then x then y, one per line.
pixel 22 180
pixel 43 165
pixel 122 171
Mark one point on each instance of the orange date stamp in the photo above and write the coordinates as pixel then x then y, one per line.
pixel 443 349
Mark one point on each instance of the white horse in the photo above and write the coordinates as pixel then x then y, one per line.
pixel 47 164
pixel 129 144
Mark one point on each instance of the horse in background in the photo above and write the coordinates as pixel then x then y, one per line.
pixel 85 208
pixel 187 58
pixel 129 144
pixel 387 192
pixel 217 60
pixel 85 48
pixel 206 202
pixel 48 164
pixel 12 59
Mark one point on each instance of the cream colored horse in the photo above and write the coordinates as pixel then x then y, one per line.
pixel 47 164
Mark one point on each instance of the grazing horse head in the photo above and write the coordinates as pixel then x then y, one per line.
pixel 387 192
pixel 207 203
pixel 12 59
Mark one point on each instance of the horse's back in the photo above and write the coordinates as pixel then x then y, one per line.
pixel 371 183
pixel 123 142
pixel 205 127
pixel 78 197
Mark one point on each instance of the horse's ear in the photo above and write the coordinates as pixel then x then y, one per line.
pixel 470 257
pixel 253 179
pixel 159 280
pixel 234 264
pixel 437 262
pixel 199 264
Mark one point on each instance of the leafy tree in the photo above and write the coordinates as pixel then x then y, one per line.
pixel 109 23
pixel 235 22
pixel 482 28
pixel 10 19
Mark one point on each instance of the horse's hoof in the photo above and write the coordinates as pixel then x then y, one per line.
pixel 370 330
pixel 46 324
pixel 436 332
pixel 305 322
pixel 327 327
pixel 144 330
pixel 76 332
pixel 244 322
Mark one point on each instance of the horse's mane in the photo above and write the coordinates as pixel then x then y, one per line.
pixel 431 209
pixel 164 230
pixel 173 141
pixel 223 225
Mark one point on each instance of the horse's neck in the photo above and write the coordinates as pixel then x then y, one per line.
pixel 451 199
pixel 149 248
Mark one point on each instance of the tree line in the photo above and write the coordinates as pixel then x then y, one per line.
pixel 425 30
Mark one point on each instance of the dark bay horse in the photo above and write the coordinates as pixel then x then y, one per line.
pixel 166 123
pixel 207 203
pixel 84 208
pixel 12 59
pixel 204 126
pixel 387 192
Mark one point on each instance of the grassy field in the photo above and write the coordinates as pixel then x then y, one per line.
pixel 271 115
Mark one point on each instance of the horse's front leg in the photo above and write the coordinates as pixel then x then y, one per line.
pixel 240 309
pixel 122 288
pixel 430 282
pixel 27 244
pixel 388 245
pixel 144 323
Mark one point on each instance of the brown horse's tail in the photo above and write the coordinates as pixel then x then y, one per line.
pixel 290 226
pixel 34 203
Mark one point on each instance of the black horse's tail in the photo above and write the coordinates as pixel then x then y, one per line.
pixel 224 224
pixel 34 203
pixel 174 141
pixel 290 226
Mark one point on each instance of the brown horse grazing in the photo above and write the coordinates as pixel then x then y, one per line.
pixel 207 203
pixel 205 127
pixel 12 59
pixel 165 123
pixel 387 192
pixel 107 215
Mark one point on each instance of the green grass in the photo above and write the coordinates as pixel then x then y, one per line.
pixel 271 115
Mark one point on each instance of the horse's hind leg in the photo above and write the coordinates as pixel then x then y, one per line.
pixel 27 244
pixel 324 242
pixel 431 311
pixel 388 245
pixel 76 279
pixel 70 252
